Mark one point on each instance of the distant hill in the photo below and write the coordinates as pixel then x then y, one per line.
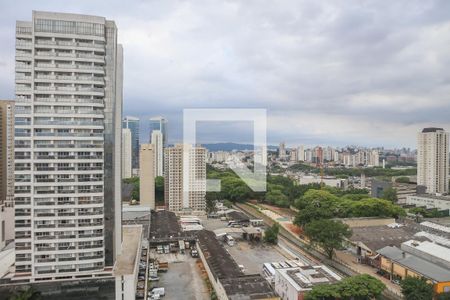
pixel 231 146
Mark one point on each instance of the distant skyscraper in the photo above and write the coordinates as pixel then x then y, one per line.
pixel 147 176
pixel 67 146
pixel 126 153
pixel 294 155
pixel 282 151
pixel 180 195
pixel 6 171
pixel 432 160
pixel 157 142
pixel 132 123
pixel 159 123
pixel 301 153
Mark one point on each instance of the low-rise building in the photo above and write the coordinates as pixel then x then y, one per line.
pixel 226 277
pixel 294 283
pixel 398 263
pixel 429 201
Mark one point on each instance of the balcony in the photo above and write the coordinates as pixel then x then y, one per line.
pixel 90 246
pixel 23 225
pixel 45 260
pixel 67 259
pixel 89 224
pixel 45 169
pixel 90 257
pixel 45 180
pixel 22 191
pixel 45 225
pixel 66 236
pixel 23 248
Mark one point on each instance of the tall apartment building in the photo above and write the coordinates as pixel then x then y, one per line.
pixel 432 160
pixel 159 123
pixel 6 171
pixel 147 176
pixel 126 153
pixel 185 178
pixel 301 153
pixel 282 150
pixel 132 123
pixel 67 146
pixel 157 142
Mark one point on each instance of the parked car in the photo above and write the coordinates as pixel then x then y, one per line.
pixel 154 296
pixel 153 278
pixel 158 290
pixel 194 253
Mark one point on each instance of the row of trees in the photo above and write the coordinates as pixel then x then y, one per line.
pixel 135 182
pixel 347 172
pixel 322 204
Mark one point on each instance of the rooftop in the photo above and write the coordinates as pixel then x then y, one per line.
pixel 131 242
pixel 164 224
pixel 219 260
pixel 419 265
pixel 248 287
pixel 428 248
pixel 238 216
pixel 432 129
pixel 430 196
pixel 376 237
pixel 237 285
pixel 305 277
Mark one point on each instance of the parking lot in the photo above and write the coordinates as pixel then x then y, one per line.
pixel 183 280
pixel 251 255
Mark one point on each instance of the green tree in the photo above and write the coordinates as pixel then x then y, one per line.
pixel 159 188
pixel 323 292
pixel 271 234
pixel 414 288
pixel 390 194
pixel 135 182
pixel 402 179
pixel 360 287
pixel 211 199
pixel 277 198
pixel 228 203
pixel 315 205
pixel 327 234
pixel 28 294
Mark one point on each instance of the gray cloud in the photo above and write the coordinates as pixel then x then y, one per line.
pixel 347 72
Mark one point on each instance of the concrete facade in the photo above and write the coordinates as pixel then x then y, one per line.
pixel 185 178
pixel 432 160
pixel 67 146
pixel 6 171
pixel 147 176
pixel 126 153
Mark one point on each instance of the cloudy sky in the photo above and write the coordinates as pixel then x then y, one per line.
pixel 328 72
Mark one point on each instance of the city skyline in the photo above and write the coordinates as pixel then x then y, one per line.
pixel 365 92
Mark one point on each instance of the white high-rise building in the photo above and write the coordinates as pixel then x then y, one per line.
pixel 282 151
pixel 181 195
pixel 67 146
pixel 6 173
pixel 301 153
pixel 127 153
pixel 158 143
pixel 432 160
